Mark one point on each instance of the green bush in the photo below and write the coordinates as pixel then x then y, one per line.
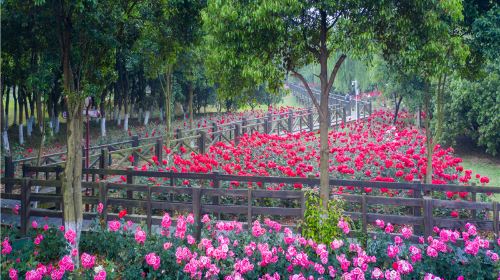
pixel 319 224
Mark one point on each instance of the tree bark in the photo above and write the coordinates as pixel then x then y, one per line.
pixel 428 136
pixel 71 180
pixel 190 104
pixel 15 93
pixel 39 110
pixel 7 105
pixel 397 104
pixel 440 107
pixel 167 91
pixel 2 116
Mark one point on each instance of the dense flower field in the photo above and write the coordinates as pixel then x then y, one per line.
pixel 371 149
pixel 122 250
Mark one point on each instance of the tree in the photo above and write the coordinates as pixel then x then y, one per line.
pixel 260 41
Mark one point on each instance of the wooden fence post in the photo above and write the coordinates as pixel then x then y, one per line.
pixel 364 214
pixel 290 121
pixel 496 228
pixel 149 210
pixel 236 134
pixel 202 141
pixel 428 219
pixel 269 122
pixel 59 189
pixel 214 131
pixel 216 185
pixel 244 123
pixel 266 126
pixel 357 110
pixel 344 114
pixel 310 119
pixel 25 205
pixel 197 212
pixel 130 180
pixel 135 143
pixel 9 173
pixel 103 197
pixel 249 210
pixel 159 149
pixel 417 211
pixel 103 162
pixel 474 199
pixel 370 107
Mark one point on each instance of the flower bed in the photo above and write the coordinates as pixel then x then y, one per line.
pixel 123 250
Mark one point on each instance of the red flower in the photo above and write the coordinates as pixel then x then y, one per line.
pixel 454 214
pixel 122 213
pixel 484 180
pixel 131 158
pixel 395 266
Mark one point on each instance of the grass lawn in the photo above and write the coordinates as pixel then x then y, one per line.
pixel 474 158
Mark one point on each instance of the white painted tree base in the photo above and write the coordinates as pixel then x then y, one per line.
pixel 103 127
pixel 21 135
pixel 146 118
pixel 125 123
pixel 5 136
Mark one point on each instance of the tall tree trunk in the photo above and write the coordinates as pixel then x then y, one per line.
pixel 190 104
pixel 15 93
pixel 440 108
pixel 20 98
pixel 7 108
pixel 39 111
pixel 397 104
pixel 71 181
pixel 428 136
pixel 167 90
pixel 2 116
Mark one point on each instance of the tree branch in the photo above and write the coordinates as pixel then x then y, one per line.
pixel 308 90
pixel 334 72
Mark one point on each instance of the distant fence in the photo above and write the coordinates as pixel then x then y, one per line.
pixel 197 140
pixel 204 196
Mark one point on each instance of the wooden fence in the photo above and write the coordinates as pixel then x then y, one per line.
pixel 421 210
pixel 197 140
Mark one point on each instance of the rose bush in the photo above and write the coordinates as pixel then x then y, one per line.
pixel 266 251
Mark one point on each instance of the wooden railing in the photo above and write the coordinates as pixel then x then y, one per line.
pixel 204 193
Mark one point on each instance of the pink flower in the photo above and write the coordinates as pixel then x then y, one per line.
pixel 70 236
pixel 101 275
pixel 88 261
pixel 431 252
pixel 12 273
pixel 407 232
pixel 46 227
pixel 16 209
pixel 114 225
pixel 34 224
pixel 392 251
pixel 33 275
pixel 6 248
pixel 377 273
pixel 380 223
pixel 57 274
pixel 257 230
pixel 205 219
pixel 389 228
pixel 404 267
pixel 190 240
pixel 153 260
pixel 167 245
pixel 140 236
pixel 66 263
pixel 392 275
pixel 344 226
pixel 100 207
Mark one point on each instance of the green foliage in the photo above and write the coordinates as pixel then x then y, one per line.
pixel 474 108
pixel 319 224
